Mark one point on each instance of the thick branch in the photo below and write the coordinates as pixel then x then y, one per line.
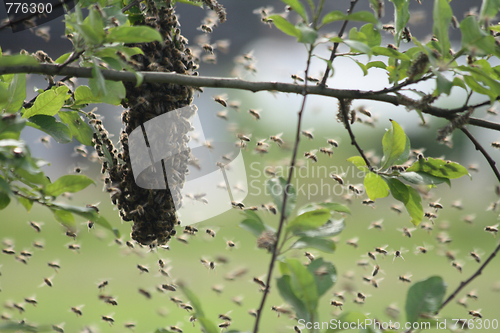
pixel 478 146
pixel 475 275
pixel 234 83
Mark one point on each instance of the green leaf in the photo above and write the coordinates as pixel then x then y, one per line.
pixel 424 297
pixel 335 207
pixel 256 228
pixel 101 220
pixel 361 65
pixel 17 60
pixel 406 153
pixel 52 127
pixel 14 125
pixel 86 212
pixel 359 162
pixel 398 190
pixel 489 10
pixel 307 35
pixel 324 274
pixel 401 17
pixel 358 46
pixel 63 58
pixel 80 129
pixel 114 91
pixel 68 183
pixel 190 2
pixel 322 244
pixel 285 289
pixel 303 284
pixel 285 26
pixel 458 82
pixel 373 37
pixel 136 34
pixel 64 217
pixel 475 40
pixel 208 325
pixel 309 220
pixel 376 64
pixel 27 203
pixel 4 200
pixel 414 206
pixel 423 178
pixel 16 93
pixel 84 95
pixel 298 8
pixel 442 15
pixel 391 53
pixel 439 168
pixel 48 103
pixel 443 85
pixel 353 318
pixel 375 186
pixel 363 16
pixel 394 144
pixel 276 187
pixel 474 85
pixel 329 229
pixel 333 16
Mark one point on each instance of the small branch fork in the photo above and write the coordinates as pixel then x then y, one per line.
pixel 478 146
pixel 469 280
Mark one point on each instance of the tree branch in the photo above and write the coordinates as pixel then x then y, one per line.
pixel 465 283
pixel 478 146
pixel 344 110
pixel 336 45
pixel 235 83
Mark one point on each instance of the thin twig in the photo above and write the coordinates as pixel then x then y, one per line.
pixel 232 83
pixel 344 110
pixel 466 282
pixel 285 196
pixel 403 84
pixel 336 45
pixel 478 146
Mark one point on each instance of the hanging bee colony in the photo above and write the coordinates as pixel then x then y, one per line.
pixel 152 210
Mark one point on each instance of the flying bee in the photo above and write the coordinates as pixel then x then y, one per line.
pixel 277 138
pixel 237 204
pixel 362 296
pixel 311 155
pixel 472 294
pixel 142 269
pixel 333 143
pixel 259 282
pixel 397 208
pixel 224 325
pixel 308 134
pixel 475 255
pixel 353 242
pixel 327 151
pixel 108 319
pixel 354 189
pixel 90 225
pixel 111 300
pixel 382 250
pixel 405 278
pixel 230 244
pixel 205 28
pixel 210 265
pixel 129 325
pixel 238 300
pixel 309 256
pixel 222 115
pixel 280 310
pixel 55 265
pixel 254 113
pixel 376 269
pixel 243 137
pixel 337 178
pixel 218 288
pixel 102 285
pixel 225 316
pixel 423 249
pixel 362 263
pixel 31 300
pixel 375 283
pixel 169 287
pixel 26 254
pixel 221 99
pixel 363 110
pixel 492 229
pixel 81 150
pixel 337 304
pixel 58 328
pixel 462 301
pixel 77 310
pixel 377 224
pixel 71 234
pixel 458 266
pixel 74 247
pixel 48 281
pixel 436 205
pixel 495 144
pixel 457 204
pixel 476 313
pixel 175 329
pixel 145 293
pixel 176 300
pixel 443 238
pixel 372 255
pixel 296 78
pixel 407 231
pixel 36 226
pixel 399 254
pixel 38 245
pixel 431 216
pixel 45 140
pixel 210 232
pixel 297 329
pixel 370 203
pixel 262 143
pixel 339 294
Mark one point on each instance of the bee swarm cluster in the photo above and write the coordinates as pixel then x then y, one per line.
pixel 152 211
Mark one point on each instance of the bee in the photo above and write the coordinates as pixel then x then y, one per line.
pixel 142 269
pixel 21 259
pixel 90 225
pixel 176 300
pixel 225 324
pixel 476 314
pixel 218 288
pixel 222 115
pixel 81 150
pixel 354 189
pixel 450 255
pixel 48 282
pixel 457 204
pixel 475 256
pixel 19 307
pixel 353 242
pixel 405 278
pixel 237 204
pixel 74 247
pixel 238 300
pixel 297 329
pixel 457 266
pixel 102 285
pixel 129 325
pixel 423 249
pixel 36 226
pixel 296 78
pixel 277 138
pixel 175 329
pixel 430 216
pixel 376 224
pixel 407 231
pixel 77 310
pixel 55 265
pixel 186 307
pixel 111 301
pixel 210 232
pixel 243 137
pixel 311 155
pixel 280 310
pixel 108 319
pixel 308 134
pixel 225 316
pixel 38 245
pixel 254 113
pixel 309 256
pixel 495 144
pixel 382 250
pixel 443 238
pixel 492 229
pixel 363 110
pixel 368 202
pixel 169 287
pixel 236 274
pixel 436 205
pixel 392 311
pixel 376 269
pixel 473 167
pixel 337 304
pixel 362 296
pixel 327 151
pixel 337 178
pixel 230 244
pixel 210 265
pixel 145 293
pixel 472 294
pixel 375 283
pixel 71 234
pixel 333 143
pixel 462 301
pixel 372 255
pixel 58 328
pixel 205 28
pixel 399 254
pixel 221 99
pixel 397 208
pixel 362 263
pixel 259 282
pixel 31 300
